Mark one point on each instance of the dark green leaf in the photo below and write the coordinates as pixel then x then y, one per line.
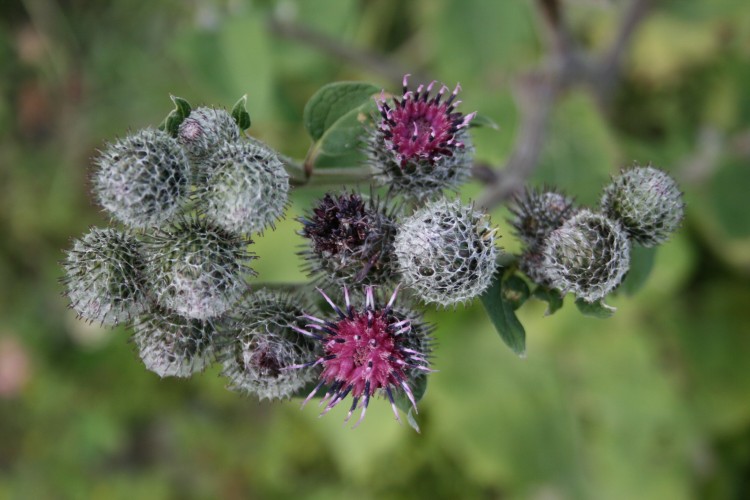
pixel 332 102
pixel 501 313
pixel 552 297
pixel 240 114
pixel 175 117
pixel 641 264
pixel 481 121
pixel 596 309
pixel 182 106
pixel 339 146
pixel 515 291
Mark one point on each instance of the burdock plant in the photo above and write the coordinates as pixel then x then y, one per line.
pixel 187 200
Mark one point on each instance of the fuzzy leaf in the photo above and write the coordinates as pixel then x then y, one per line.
pixel 175 117
pixel 552 297
pixel 596 309
pixel 332 102
pixel 641 264
pixel 501 313
pixel 515 291
pixel 240 114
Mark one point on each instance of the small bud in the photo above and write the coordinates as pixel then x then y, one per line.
pixel 143 179
pixel 246 188
pixel 198 270
pixel 537 214
pixel 588 255
pixel 104 277
pixel 420 145
pixel 369 348
pixel 264 349
pixel 172 346
pixel 647 202
pixel 446 252
pixel 351 240
pixel 204 131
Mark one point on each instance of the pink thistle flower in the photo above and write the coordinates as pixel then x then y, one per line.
pixel 421 145
pixel 369 350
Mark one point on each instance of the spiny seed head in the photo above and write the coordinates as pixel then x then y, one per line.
pixel 104 277
pixel 588 255
pixel 538 213
pixel 420 144
pixel 264 355
pixel 647 202
pixel 196 269
pixel 446 252
pixel 143 179
pixel 368 348
pixel 204 131
pixel 173 346
pixel 351 239
pixel 531 263
pixel 246 188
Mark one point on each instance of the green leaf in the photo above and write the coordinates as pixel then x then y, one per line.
pixel 332 102
pixel 515 291
pixel 175 117
pixel 551 296
pixel 418 387
pixel 240 114
pixel 596 309
pixel 483 121
pixel 641 264
pixel 501 313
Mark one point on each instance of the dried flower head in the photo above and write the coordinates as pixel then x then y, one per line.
pixel 368 349
pixel 143 179
pixel 420 145
pixel 446 252
pixel 204 131
pixel 351 239
pixel 246 188
pixel 173 346
pixel 588 255
pixel 196 269
pixel 262 344
pixel 104 277
pixel 648 203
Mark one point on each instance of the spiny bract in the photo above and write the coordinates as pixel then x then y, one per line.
pixel 204 131
pixel 143 179
pixel 263 352
pixel 104 277
pixel 246 188
pixel 173 346
pixel 647 202
pixel 538 213
pixel 588 255
pixel 446 252
pixel 196 269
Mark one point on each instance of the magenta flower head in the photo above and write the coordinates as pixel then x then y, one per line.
pixel 420 145
pixel 368 350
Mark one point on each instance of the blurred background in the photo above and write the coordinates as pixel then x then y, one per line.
pixel 653 403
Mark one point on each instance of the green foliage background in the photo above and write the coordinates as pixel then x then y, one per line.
pixel 653 403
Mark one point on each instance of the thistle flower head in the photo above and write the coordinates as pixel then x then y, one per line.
pixel 538 213
pixel 173 346
pixel 104 277
pixel 246 188
pixel 420 145
pixel 647 202
pixel 588 255
pixel 196 269
pixel 446 252
pixel 143 179
pixel 204 131
pixel 262 345
pixel 351 239
pixel 368 349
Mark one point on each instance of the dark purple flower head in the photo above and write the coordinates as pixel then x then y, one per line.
pixel 420 127
pixel 369 350
pixel 420 145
